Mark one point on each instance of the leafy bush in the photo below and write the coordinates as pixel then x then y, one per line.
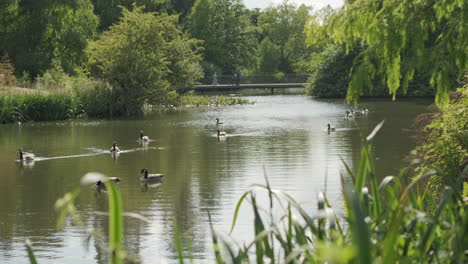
pixel 444 143
pixel 142 56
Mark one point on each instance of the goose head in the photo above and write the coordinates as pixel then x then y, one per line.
pixel 145 171
pixel 141 134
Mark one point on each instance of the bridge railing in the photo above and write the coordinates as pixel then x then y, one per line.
pixel 256 79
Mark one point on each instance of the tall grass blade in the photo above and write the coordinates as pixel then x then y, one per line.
pixel 359 228
pixel 216 246
pixel 236 211
pixel 115 223
pixel 32 258
pixel 178 243
pixel 429 235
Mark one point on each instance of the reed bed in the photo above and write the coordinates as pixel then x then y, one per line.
pixel 36 107
pixel 193 100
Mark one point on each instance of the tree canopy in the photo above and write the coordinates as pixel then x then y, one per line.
pixel 229 37
pixel 400 38
pixel 35 32
pixel 143 55
pixel 284 25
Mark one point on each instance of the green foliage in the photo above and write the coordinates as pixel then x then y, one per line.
pixel 36 107
pixel 7 72
pixel 401 38
pixel 34 32
pixel 25 80
pixel 110 11
pixel 191 100
pixel 330 72
pixel 445 143
pixel 224 26
pixel 284 25
pixel 100 101
pixel 142 56
pixel 269 56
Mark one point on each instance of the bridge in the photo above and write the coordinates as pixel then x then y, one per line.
pixel 228 83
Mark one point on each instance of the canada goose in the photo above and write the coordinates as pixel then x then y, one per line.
pixel 221 133
pixel 25 156
pixel 331 129
pixel 150 177
pixel 219 123
pixel 365 110
pixel 350 114
pixel 114 148
pixel 100 184
pixel 143 138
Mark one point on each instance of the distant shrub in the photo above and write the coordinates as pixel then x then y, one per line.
pixel 7 72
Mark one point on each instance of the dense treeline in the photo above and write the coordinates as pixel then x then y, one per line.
pixel 140 50
pixel 233 38
pixel 145 48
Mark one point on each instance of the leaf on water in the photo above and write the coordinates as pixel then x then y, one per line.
pixel 92 177
pixel 376 129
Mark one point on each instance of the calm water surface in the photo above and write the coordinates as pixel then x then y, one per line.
pixel 283 134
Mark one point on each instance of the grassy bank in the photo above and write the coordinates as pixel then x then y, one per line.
pixel 99 101
pixel 36 107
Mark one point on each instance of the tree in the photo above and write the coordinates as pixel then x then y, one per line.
pixel 269 56
pixel 35 32
pixel 142 56
pixel 400 38
pixel 224 26
pixel 110 11
pixel 284 26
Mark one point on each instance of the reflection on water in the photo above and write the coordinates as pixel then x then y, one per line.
pixel 285 134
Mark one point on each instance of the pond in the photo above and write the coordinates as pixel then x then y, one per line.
pixel 282 136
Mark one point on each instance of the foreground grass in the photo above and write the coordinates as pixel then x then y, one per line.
pixel 384 222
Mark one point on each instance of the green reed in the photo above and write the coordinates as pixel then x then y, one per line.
pixel 36 107
pixel 194 100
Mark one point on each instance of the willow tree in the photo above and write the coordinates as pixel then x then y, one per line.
pixel 143 56
pixel 401 37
